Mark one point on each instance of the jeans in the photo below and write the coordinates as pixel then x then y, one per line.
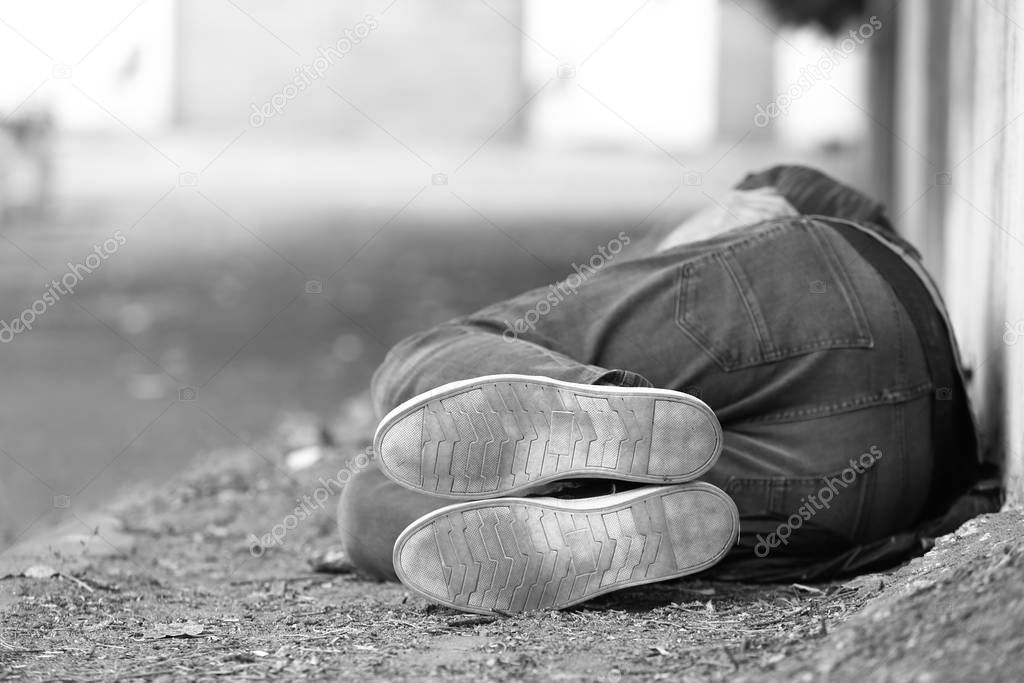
pixel 805 351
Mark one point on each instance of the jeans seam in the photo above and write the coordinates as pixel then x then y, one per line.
pixel 739 279
pixel 861 516
pixel 884 397
pixel 774 489
pixel 842 277
pixel 784 224
pixel 901 424
pixel 865 505
pixel 691 327
pixel 767 350
pixel 901 362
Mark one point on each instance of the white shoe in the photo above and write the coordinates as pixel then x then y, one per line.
pixel 505 434
pixel 512 555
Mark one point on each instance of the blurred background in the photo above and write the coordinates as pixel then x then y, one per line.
pixel 244 204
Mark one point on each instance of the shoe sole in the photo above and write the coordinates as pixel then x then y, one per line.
pixel 514 555
pixel 504 434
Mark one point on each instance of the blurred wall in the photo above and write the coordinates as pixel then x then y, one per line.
pixel 97 60
pixel 590 66
pixel 959 159
pixel 423 69
pixel 746 63
pixel 570 71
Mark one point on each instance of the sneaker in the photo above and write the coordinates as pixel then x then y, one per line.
pixel 514 555
pixel 506 434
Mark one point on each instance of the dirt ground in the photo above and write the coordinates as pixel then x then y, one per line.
pixel 171 585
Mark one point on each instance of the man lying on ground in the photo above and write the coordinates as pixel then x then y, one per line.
pixel 770 391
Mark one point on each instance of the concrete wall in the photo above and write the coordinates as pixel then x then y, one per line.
pixel 429 69
pixel 958 152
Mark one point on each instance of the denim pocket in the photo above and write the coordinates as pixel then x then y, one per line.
pixel 835 501
pixel 779 293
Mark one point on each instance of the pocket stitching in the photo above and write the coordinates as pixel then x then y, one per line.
pixel 846 288
pixel 753 306
pixel 779 486
pixel 691 325
pixel 768 352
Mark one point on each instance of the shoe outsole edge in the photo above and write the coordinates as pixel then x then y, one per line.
pixel 500 435
pixel 513 555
